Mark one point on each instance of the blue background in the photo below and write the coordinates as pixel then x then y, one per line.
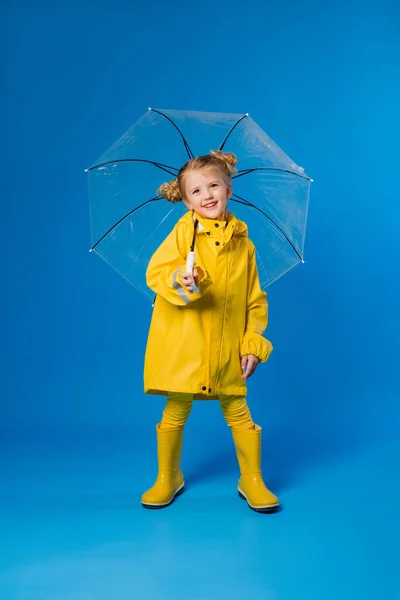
pixel 78 443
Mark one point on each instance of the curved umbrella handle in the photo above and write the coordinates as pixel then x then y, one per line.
pixel 190 262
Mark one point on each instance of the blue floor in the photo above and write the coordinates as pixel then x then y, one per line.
pixel 72 526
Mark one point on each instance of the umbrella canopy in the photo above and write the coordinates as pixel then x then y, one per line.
pixel 129 221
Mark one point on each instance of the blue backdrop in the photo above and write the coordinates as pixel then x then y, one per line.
pixel 322 79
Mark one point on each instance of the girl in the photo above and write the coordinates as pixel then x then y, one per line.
pixel 205 338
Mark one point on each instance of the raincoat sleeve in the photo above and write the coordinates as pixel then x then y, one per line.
pixel 163 274
pixel 257 316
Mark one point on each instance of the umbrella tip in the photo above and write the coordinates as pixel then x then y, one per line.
pixel 149 108
pixel 91 250
pixel 86 170
pixel 303 261
pixel 247 115
pixel 312 180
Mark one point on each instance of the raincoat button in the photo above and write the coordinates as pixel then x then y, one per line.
pixel 217 243
pixel 207 232
pixel 204 388
pixel 216 224
pixel 209 390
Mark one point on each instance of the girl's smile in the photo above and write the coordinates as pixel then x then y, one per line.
pixel 207 192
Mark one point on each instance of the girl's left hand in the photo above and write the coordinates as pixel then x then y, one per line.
pixel 249 365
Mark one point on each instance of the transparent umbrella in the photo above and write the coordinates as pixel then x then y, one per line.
pixel 129 221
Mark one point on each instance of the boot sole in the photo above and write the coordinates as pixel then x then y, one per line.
pixel 157 506
pixel 261 509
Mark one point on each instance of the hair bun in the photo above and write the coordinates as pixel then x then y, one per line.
pixel 170 191
pixel 228 159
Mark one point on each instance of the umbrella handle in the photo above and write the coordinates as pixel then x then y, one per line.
pixel 190 262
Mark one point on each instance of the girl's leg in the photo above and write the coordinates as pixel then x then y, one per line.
pixel 247 438
pixel 236 412
pixel 169 482
pixel 177 411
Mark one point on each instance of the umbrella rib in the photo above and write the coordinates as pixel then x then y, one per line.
pixel 247 203
pixel 235 125
pixel 247 171
pixel 187 147
pixel 151 162
pixel 123 218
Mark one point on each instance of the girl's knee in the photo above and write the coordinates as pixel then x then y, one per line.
pixel 177 411
pixel 236 412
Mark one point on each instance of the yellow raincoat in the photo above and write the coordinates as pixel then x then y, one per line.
pixel 196 340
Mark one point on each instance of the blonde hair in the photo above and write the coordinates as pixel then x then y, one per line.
pixel 224 161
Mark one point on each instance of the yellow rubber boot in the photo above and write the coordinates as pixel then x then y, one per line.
pixel 251 485
pixel 169 482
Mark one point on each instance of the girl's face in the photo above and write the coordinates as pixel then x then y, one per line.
pixel 207 192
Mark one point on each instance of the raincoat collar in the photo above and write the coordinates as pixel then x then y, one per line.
pixel 232 226
pixel 209 224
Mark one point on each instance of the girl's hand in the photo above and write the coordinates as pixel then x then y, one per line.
pixel 250 361
pixel 188 279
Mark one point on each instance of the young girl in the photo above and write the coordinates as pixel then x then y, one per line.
pixel 205 338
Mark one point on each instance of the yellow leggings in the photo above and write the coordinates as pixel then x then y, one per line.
pixel 234 408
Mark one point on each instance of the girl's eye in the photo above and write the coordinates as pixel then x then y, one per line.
pixel 214 184
pixel 194 191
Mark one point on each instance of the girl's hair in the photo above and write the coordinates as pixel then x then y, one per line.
pixel 225 161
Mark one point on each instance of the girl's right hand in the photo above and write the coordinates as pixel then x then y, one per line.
pixel 188 279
